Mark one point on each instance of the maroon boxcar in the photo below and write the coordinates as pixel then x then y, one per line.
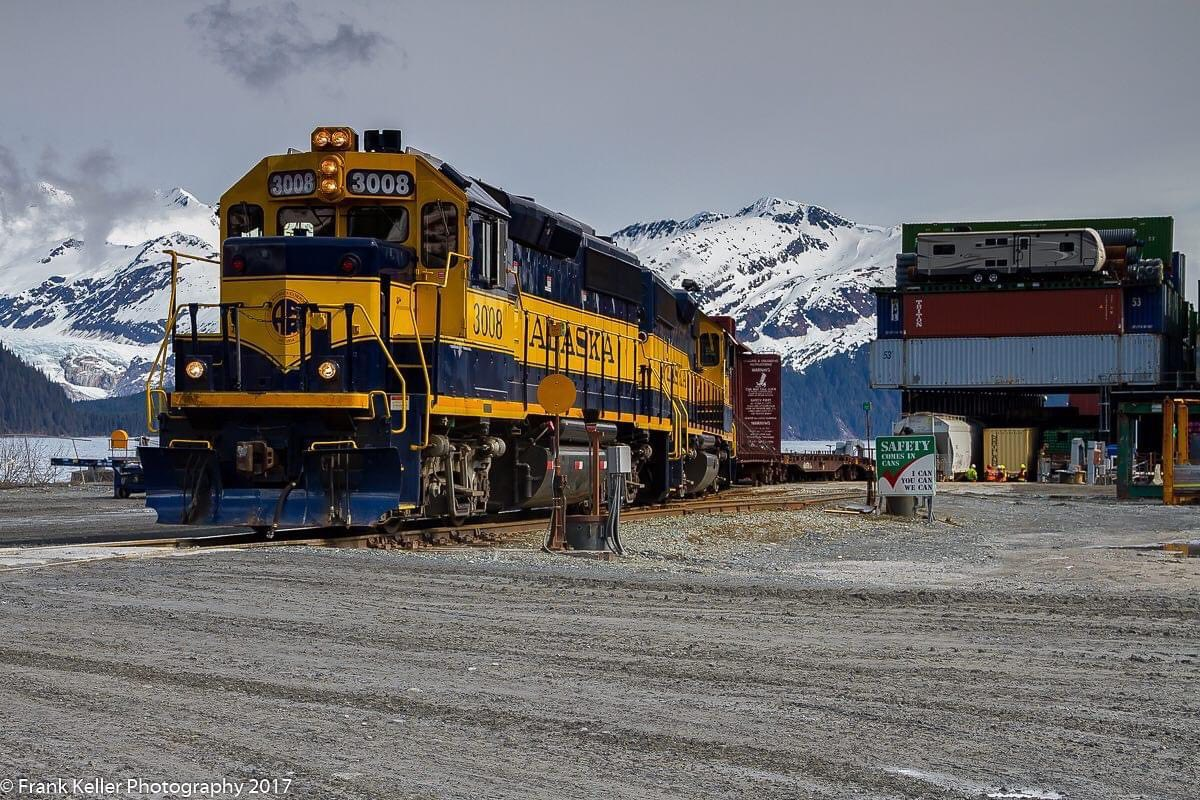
pixel 758 410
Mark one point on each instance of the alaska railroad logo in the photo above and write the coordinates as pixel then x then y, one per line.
pixel 285 313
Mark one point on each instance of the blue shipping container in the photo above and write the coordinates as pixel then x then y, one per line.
pixel 1145 309
pixel 889 315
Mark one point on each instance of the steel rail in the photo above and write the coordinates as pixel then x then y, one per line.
pixel 483 532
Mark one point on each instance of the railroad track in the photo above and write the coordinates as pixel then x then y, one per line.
pixel 489 531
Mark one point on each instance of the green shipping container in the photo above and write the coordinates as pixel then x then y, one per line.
pixel 1155 233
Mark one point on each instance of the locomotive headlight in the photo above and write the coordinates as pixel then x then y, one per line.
pixel 334 138
pixel 327 370
pixel 330 185
pixel 329 188
pixel 195 369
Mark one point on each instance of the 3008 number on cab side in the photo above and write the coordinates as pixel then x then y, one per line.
pixel 385 183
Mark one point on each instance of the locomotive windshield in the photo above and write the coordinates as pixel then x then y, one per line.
pixel 389 223
pixel 306 221
pixel 245 220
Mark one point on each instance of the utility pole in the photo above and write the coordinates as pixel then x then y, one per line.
pixel 871 456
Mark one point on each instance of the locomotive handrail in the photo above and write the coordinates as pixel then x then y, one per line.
pixel 386 404
pixel 391 362
pixel 678 432
pixel 412 310
pixel 333 443
pixel 159 365
pixel 173 319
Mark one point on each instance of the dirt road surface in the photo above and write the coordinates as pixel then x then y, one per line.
pixel 799 654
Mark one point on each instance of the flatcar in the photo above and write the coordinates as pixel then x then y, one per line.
pixel 383 325
pixel 987 257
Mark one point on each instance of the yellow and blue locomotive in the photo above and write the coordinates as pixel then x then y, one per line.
pixel 383 325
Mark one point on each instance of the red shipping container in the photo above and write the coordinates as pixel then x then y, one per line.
pixel 1087 404
pixel 759 403
pixel 1036 312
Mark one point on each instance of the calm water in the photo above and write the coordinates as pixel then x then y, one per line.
pixel 57 446
pixel 814 445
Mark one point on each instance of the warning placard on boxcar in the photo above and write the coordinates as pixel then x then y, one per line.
pixel 907 465
pixel 759 403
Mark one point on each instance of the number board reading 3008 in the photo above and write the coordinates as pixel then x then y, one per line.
pixel 379 182
pixel 289 184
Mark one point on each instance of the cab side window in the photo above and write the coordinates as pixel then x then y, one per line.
pixel 489 254
pixel 710 350
pixel 439 233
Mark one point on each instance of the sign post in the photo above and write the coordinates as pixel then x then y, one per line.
pixel 870 475
pixel 906 466
pixel 556 394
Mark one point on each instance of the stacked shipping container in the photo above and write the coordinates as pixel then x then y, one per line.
pixel 1017 361
pixel 1012 313
pixel 1128 326
pixel 1032 312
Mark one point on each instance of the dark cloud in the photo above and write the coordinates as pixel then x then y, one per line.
pixel 100 196
pixel 263 44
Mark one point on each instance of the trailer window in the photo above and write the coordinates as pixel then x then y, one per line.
pixel 990 242
pixel 943 249
pixel 1002 241
pixel 245 220
pixel 439 233
pixel 1066 247
pixel 306 221
pixel 389 223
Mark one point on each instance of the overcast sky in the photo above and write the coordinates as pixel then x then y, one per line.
pixel 623 111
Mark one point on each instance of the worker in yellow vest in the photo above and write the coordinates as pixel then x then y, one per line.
pixel 972 474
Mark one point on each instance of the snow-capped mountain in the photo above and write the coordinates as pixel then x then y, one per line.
pixel 796 277
pixel 89 314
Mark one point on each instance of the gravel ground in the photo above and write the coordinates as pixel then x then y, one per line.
pixel 1003 653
